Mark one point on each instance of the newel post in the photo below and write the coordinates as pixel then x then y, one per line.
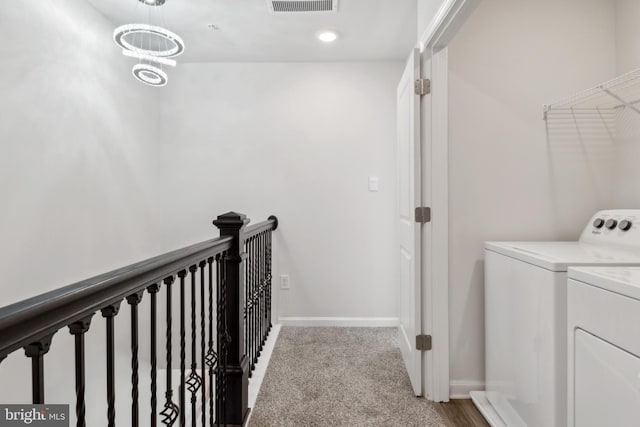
pixel 236 409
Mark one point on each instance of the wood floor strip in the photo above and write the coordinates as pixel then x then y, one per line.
pixel 461 413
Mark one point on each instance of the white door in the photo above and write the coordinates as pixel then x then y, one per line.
pixel 409 232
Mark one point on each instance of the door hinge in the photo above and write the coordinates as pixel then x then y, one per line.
pixel 423 342
pixel 423 215
pixel 422 87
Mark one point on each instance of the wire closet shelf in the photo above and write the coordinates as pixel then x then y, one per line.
pixel 607 98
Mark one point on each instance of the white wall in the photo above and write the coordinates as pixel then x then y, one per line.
pixel 97 175
pixel 78 183
pixel 627 174
pixel 627 40
pixel 297 140
pixel 77 158
pixel 507 180
pixel 427 10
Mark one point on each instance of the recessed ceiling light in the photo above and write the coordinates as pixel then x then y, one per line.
pixel 327 36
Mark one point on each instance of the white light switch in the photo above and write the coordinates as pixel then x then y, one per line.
pixel 374 183
pixel 284 281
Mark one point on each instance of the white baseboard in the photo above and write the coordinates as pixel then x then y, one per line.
pixel 255 382
pixel 372 322
pixel 461 389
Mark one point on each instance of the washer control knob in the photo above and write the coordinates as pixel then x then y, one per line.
pixel 625 225
pixel 611 224
pixel 598 223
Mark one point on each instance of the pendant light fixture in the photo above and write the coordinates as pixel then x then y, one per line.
pixel 153 46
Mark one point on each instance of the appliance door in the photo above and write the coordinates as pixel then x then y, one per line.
pixel 607 383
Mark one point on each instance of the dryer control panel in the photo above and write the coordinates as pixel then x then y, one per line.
pixel 614 227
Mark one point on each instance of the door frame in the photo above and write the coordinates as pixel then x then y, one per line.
pixel 435 187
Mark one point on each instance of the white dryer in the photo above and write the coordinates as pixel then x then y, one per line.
pixel 604 347
pixel 526 317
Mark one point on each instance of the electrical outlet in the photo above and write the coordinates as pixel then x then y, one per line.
pixel 284 281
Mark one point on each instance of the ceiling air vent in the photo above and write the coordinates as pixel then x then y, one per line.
pixel 302 6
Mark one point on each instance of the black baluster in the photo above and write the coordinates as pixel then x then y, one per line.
pixel 260 335
pixel 194 381
pixel 221 298
pixel 258 312
pixel 254 302
pixel 211 355
pixel 257 296
pixel 36 351
pixel 133 300
pixel 269 275
pixel 258 319
pixel 182 275
pixel 203 342
pixel 262 328
pixel 219 312
pixel 78 329
pixel 109 314
pixel 247 304
pixel 264 288
pixel 266 282
pixel 170 411
pixel 249 298
pixel 225 339
pixel 264 285
pixel 153 291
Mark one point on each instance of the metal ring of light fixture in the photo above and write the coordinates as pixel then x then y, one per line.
pixel 150 75
pixel 153 2
pixel 150 30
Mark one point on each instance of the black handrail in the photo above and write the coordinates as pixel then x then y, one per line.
pixel 233 270
pixel 270 224
pixel 32 319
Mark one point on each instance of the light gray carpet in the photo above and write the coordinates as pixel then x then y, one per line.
pixel 339 377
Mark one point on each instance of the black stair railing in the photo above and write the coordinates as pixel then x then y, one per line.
pixel 228 277
pixel 257 307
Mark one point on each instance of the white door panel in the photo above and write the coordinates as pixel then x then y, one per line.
pixel 408 123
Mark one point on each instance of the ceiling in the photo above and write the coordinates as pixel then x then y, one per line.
pixel 370 30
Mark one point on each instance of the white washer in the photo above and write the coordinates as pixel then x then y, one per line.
pixel 604 347
pixel 526 317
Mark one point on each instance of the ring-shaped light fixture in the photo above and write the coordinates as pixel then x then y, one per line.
pixel 176 43
pixel 150 58
pixel 150 75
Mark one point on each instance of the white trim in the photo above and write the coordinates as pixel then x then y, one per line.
pixel 462 389
pixel 370 322
pixel 427 243
pixel 446 23
pixel 436 301
pixel 435 138
pixel 490 415
pixel 255 382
